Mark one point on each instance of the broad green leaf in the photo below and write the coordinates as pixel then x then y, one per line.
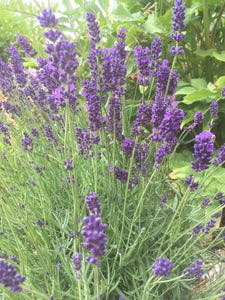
pixel 219 56
pixel 185 91
pixel 181 160
pixel 166 19
pixel 190 13
pixel 142 89
pixel 68 6
pixel 153 26
pixel 180 172
pixel 123 15
pixel 104 4
pixel 198 95
pixel 198 83
pixel 220 82
pixel 204 53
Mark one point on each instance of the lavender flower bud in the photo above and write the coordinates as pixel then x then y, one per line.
pixel 27 48
pixel 195 269
pixel 209 225
pixel 39 223
pixel 216 215
pixel 27 142
pixel 52 35
pixel 162 267
pixel 205 203
pixel 163 201
pixel 198 117
pixel 218 196
pixel 196 230
pixel 189 182
pixel 68 164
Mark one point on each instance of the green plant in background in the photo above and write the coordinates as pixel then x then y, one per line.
pixel 100 198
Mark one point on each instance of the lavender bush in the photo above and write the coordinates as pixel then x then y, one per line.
pixel 89 208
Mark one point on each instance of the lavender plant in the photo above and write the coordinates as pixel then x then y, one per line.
pixel 89 209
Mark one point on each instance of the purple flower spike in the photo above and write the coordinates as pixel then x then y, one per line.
pixel 9 277
pixel 142 119
pixel 162 267
pixel 47 18
pixel 94 239
pixel 94 30
pixel 76 258
pixel 93 204
pixel 203 150
pixel 198 117
pixel 119 174
pixel 142 62
pixel 213 109
pixel 177 26
pixel 27 142
pixel 178 20
pixel 155 57
pixel 17 66
pixel 195 269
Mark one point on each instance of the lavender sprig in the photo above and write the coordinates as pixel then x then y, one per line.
pixel 9 277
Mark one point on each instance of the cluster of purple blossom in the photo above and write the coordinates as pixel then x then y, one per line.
pixel 163 267
pixel 9 277
pixel 94 238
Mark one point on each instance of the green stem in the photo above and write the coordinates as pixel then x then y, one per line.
pixel 137 208
pixel 97 282
pixel 208 60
